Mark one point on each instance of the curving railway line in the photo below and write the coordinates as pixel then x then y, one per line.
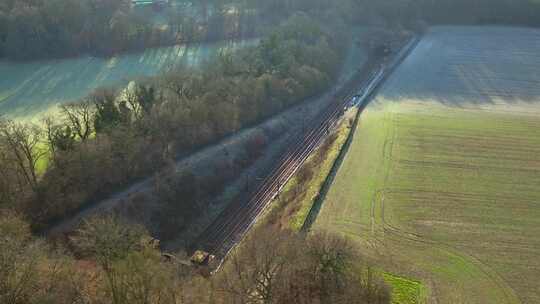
pixel 234 222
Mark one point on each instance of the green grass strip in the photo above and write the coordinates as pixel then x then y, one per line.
pixel 404 290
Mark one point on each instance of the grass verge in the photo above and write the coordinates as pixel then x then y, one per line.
pixel 321 171
pixel 293 206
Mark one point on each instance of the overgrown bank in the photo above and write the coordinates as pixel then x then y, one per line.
pixel 293 205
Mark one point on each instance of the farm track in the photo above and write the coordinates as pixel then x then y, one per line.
pixel 402 235
pixel 234 222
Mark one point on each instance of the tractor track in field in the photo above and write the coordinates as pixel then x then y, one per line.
pixel 401 235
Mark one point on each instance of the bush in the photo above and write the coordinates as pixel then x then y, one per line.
pixel 107 239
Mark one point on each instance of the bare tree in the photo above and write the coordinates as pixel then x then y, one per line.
pixel 279 267
pixel 80 116
pixel 8 180
pixel 29 271
pixel 131 97
pixel 21 142
pixel 181 82
pixel 107 238
pixel 140 278
pixel 59 136
pixel 256 272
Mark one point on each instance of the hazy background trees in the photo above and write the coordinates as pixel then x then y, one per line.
pixel 58 28
pixel 33 29
pixel 412 13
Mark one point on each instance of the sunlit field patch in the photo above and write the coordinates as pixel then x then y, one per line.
pixel 404 291
pixel 31 89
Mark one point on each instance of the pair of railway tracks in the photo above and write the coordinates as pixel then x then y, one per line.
pixel 235 221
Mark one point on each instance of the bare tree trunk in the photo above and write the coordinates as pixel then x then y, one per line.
pixel 80 116
pixel 22 142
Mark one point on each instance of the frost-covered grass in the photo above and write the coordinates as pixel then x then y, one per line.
pixel 442 180
pixel 471 66
pixel 30 89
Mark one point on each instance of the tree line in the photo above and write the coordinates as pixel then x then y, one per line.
pixel 113 136
pixel 417 13
pixel 36 29
pixel 111 261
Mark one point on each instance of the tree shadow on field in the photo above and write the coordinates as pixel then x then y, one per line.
pixel 29 88
pixel 464 66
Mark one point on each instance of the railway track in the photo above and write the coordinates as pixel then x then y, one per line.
pixel 234 222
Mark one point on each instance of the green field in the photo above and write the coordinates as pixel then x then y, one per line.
pixel 442 181
pixel 447 195
pixel 405 291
